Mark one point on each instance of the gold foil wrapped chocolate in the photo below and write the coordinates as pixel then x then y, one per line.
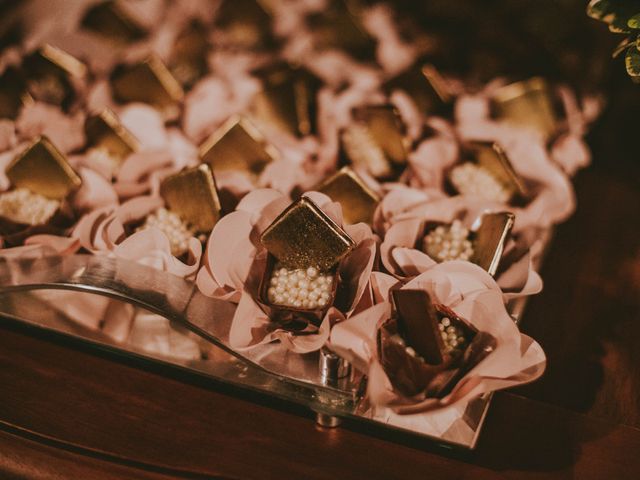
pixel 13 93
pixel 105 132
pixel 188 61
pixel 304 236
pixel 237 146
pixel 52 73
pixel 192 194
pixel 423 83
pixel 527 104
pixel 41 168
pixel 491 236
pixel 287 100
pixel 150 82
pixel 426 347
pixel 375 142
pixel 339 27
pixel 300 281
pixel 358 199
pixel 246 24
pixel 111 21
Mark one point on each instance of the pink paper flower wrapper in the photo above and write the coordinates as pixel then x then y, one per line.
pixel 473 295
pixel 516 275
pixel 234 262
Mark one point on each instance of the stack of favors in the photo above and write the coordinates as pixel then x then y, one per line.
pixel 303 159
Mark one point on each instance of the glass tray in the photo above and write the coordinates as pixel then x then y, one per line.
pixel 269 369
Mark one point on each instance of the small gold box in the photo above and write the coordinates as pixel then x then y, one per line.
pixel 13 93
pixel 109 20
pixel 358 200
pixel 339 27
pixel 192 194
pixel 188 61
pixel 246 23
pixel 492 157
pixel 149 81
pixel 385 124
pixel 376 141
pixel 42 169
pixel 304 236
pixel 288 99
pixel 51 75
pixel 237 146
pixel 528 104
pixel 423 83
pixel 104 131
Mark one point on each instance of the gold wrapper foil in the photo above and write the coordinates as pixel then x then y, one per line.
pixel 105 131
pixel 13 93
pixel 490 238
pixel 386 127
pixel 358 200
pixel 189 56
pixel 149 81
pixel 42 169
pixel 418 324
pixel 304 236
pixel 109 20
pixel 424 85
pixel 288 100
pixel 193 196
pixel 237 145
pixel 246 23
pixel 494 159
pixel 339 27
pixel 526 103
pixel 52 60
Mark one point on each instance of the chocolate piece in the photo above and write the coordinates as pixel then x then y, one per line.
pixel 104 131
pixel 111 21
pixel 304 236
pixel 149 81
pixel 493 158
pixel 490 239
pixel 246 23
pixel 288 99
pixel 42 169
pixel 418 324
pixel 526 103
pixel 237 145
pixel 424 85
pixel 358 200
pixel 192 195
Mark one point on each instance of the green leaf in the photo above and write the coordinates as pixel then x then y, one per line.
pixel 632 62
pixel 634 22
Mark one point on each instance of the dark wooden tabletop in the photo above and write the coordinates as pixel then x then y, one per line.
pixel 67 412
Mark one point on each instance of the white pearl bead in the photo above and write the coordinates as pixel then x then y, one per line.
pixel 312 272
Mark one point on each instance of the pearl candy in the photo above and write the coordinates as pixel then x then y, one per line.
pixel 300 288
pixel 173 227
pixel 449 243
pixel 475 181
pixel 452 336
pixel 24 206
